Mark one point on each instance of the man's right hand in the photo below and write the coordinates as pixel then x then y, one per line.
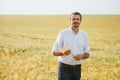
pixel 66 52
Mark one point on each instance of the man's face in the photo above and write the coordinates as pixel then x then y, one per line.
pixel 75 20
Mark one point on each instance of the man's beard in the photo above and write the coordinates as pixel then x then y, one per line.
pixel 75 24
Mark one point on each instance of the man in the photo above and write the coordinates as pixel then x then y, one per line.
pixel 72 48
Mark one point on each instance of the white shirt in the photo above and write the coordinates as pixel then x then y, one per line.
pixel 78 44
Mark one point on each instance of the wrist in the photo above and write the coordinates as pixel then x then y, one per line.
pixel 82 56
pixel 63 52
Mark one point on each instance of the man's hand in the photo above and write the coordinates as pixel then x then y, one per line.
pixel 78 57
pixel 66 51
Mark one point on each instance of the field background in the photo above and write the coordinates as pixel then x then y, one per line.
pixel 26 42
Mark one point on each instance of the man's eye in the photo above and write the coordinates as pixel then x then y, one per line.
pixel 73 19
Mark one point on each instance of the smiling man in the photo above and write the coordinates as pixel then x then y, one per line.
pixel 72 48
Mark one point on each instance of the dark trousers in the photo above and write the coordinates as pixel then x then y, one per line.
pixel 69 72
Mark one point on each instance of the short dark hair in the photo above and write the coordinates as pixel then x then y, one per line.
pixel 77 13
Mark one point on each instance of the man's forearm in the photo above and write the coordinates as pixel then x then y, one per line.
pixel 85 56
pixel 58 53
pixel 62 52
pixel 81 56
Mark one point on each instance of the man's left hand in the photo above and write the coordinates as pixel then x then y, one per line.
pixel 78 57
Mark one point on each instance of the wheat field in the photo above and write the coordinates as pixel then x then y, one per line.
pixel 26 42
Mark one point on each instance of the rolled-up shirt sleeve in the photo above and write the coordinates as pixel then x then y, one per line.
pixel 58 43
pixel 86 46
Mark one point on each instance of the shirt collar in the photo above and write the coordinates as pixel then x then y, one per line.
pixel 73 32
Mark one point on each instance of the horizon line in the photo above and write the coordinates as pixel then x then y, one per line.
pixel 58 14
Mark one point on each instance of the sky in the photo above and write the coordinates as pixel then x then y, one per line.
pixel 59 7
